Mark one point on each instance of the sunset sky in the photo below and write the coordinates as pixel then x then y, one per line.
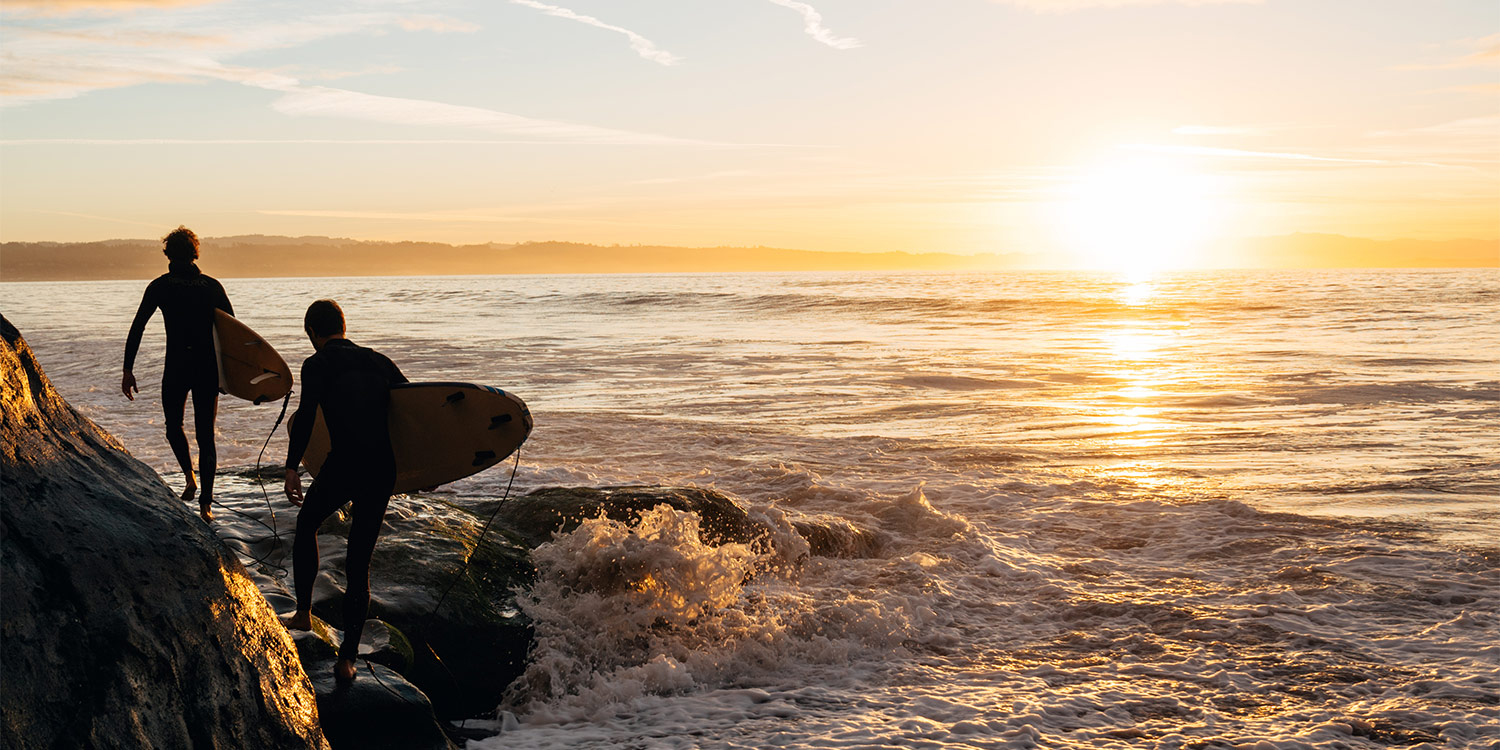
pixel 917 125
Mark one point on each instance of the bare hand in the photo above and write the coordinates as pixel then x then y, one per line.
pixel 127 384
pixel 293 488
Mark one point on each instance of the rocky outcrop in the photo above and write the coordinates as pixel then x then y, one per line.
pixel 125 622
pixel 538 515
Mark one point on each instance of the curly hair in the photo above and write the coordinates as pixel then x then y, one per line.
pixel 180 245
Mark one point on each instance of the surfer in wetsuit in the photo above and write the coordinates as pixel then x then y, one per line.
pixel 352 384
pixel 187 298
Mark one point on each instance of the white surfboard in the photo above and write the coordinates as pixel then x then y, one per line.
pixel 441 432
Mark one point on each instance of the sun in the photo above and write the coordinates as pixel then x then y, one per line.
pixel 1139 216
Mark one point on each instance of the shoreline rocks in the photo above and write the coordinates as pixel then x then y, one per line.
pixel 125 622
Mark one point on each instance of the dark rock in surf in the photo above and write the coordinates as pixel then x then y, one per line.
pixel 125 622
pixel 540 514
pixel 380 710
pixel 837 537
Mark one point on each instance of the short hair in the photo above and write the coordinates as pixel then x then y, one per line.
pixel 324 318
pixel 180 244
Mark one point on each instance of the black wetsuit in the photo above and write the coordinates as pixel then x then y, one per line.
pixel 352 385
pixel 187 298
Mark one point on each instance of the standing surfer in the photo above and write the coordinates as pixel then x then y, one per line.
pixel 352 385
pixel 187 298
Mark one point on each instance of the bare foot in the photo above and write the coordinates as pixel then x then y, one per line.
pixel 298 621
pixel 343 671
pixel 190 491
pixel 205 508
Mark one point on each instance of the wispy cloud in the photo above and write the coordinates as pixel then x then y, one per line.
pixel 276 142
pixel 814 25
pixel 504 215
pixel 441 216
pixel 321 101
pixel 642 46
pixel 1238 130
pixel 41 63
pixel 719 175
pixel 1064 6
pixel 71 7
pixel 94 217
pixel 1487 89
pixel 439 24
pixel 1481 128
pixel 370 70
pixel 1275 155
pixel 1486 52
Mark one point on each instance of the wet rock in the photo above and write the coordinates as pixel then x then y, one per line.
pixel 837 537
pixel 125 622
pixel 380 709
pixel 540 514
pixel 458 635
pixel 384 644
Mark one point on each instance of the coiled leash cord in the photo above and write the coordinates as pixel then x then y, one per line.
pixel 261 480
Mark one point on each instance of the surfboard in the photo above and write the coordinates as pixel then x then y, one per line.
pixel 441 432
pixel 249 368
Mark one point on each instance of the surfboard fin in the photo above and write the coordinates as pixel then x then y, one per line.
pixel 453 398
pixel 496 421
pixel 483 457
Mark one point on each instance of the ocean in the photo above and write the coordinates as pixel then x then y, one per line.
pixel 1250 509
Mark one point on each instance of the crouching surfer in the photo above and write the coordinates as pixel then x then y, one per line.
pixel 352 385
pixel 187 298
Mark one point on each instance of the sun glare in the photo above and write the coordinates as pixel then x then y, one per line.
pixel 1139 217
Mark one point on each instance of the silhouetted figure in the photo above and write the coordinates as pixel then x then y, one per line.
pixel 187 298
pixel 352 384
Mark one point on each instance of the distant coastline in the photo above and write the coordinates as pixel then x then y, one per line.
pixel 266 256
pixel 254 256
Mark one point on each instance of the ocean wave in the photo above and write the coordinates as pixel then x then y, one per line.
pixel 1410 392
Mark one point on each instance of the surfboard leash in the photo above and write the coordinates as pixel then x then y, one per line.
pixel 261 480
pixel 427 619
pixel 467 558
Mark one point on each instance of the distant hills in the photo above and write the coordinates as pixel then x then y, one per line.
pixel 266 256
pixel 270 256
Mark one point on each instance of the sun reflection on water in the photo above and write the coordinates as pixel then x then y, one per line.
pixel 1137 290
pixel 1134 352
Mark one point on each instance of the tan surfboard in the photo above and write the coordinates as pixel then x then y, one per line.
pixel 249 368
pixel 441 432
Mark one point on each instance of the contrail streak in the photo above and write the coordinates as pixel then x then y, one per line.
pixel 642 46
pixel 814 25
